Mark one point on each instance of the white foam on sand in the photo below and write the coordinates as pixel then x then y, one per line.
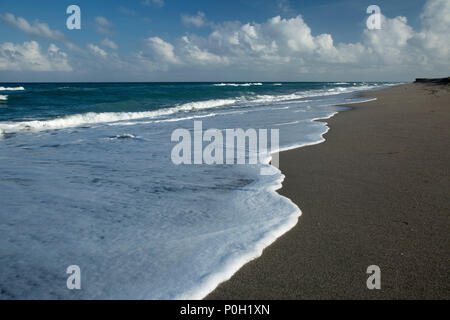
pixel 231 265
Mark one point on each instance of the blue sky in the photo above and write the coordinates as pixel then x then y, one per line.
pixel 169 40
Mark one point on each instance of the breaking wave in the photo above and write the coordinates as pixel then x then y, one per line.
pixel 94 118
pixel 238 84
pixel 89 118
pixel 12 88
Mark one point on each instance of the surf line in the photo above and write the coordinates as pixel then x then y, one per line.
pixel 234 140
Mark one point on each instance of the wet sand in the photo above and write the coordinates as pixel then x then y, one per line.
pixel 377 192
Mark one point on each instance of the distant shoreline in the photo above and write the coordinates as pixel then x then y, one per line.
pixel 375 193
pixel 433 81
pixel 145 82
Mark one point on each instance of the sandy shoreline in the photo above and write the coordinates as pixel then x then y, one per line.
pixel 375 193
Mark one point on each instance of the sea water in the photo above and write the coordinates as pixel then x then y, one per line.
pixel 86 179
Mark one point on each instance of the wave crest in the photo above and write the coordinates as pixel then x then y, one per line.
pixel 237 84
pixel 90 118
pixel 12 88
pixel 77 120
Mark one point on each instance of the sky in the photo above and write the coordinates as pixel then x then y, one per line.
pixel 234 40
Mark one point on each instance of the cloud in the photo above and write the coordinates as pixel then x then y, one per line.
pixel 37 28
pixel 389 43
pixel 102 25
pixel 278 48
pixel 162 50
pixel 110 44
pixel 102 21
pixel 96 50
pixel 198 20
pixel 435 35
pixel 288 47
pixel 192 54
pixel 29 57
pixel 148 3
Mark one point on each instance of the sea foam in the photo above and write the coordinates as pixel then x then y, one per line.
pixel 89 118
pixel 12 88
pixel 109 199
pixel 238 84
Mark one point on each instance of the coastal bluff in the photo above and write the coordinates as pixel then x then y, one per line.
pixel 433 81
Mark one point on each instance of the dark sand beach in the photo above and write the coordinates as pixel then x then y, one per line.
pixel 375 193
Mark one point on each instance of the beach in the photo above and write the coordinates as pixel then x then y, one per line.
pixel 374 193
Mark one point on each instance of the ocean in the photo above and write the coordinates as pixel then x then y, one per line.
pixel 87 179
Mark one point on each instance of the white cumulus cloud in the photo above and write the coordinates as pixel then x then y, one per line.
pixel 435 36
pixel 29 57
pixel 288 47
pixel 162 50
pixel 277 48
